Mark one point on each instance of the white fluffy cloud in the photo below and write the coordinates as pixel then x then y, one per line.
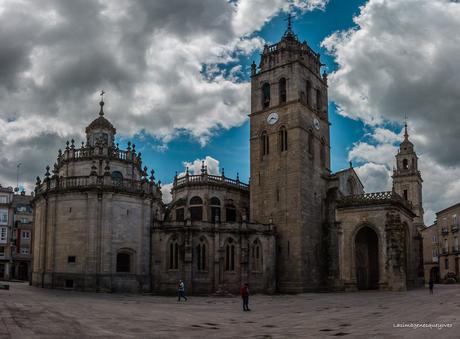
pixel 160 63
pixel 211 164
pixel 194 167
pixel 401 58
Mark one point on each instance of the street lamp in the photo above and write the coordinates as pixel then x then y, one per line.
pixel 16 189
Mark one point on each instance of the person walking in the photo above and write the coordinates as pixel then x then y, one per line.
pixel 244 291
pixel 431 285
pixel 181 291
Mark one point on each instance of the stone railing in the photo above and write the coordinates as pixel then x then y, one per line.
pixel 455 249
pixel 57 184
pixel 454 228
pixel 373 198
pixel 87 152
pixel 445 230
pixel 208 179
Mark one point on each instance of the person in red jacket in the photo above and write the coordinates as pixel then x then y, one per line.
pixel 244 291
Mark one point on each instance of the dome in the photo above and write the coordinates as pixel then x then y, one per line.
pixel 101 122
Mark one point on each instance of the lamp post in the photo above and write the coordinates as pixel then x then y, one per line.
pixel 16 189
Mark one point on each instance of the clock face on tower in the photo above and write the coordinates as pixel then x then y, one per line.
pixel 316 124
pixel 272 118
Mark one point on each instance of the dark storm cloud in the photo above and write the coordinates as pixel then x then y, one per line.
pixel 56 55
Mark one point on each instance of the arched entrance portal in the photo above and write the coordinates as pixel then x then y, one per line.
pixel 367 259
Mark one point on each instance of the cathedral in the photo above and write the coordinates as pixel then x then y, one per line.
pixel 101 223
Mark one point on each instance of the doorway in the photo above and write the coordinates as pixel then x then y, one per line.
pixel 367 259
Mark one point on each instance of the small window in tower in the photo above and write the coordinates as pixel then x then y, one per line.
pixel 318 100
pixel 282 90
pixel 266 95
pixel 264 143
pixel 308 92
pixel 310 142
pixel 405 164
pixel 283 141
pixel 323 152
pixel 405 195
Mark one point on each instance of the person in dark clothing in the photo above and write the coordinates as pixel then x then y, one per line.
pixel 244 291
pixel 431 285
pixel 181 291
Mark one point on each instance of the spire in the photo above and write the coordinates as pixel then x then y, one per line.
pixel 289 27
pixel 101 103
pixel 289 32
pixel 406 135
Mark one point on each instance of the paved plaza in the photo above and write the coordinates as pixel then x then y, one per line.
pixel 29 312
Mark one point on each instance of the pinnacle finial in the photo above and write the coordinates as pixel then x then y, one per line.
pixel 101 103
pixel 406 135
pixel 289 20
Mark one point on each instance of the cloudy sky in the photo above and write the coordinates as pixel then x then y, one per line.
pixel 176 77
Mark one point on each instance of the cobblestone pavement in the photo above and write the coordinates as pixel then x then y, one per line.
pixel 29 312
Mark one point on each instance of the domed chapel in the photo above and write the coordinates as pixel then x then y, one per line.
pixel 101 224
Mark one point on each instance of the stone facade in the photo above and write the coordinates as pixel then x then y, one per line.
pixel 218 248
pixel 101 223
pixel 448 237
pixel 431 252
pixel 22 236
pixel 290 161
pixel 93 217
pixel 319 215
pixel 6 232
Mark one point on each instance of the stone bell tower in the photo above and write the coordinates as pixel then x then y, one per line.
pixel 407 180
pixel 290 158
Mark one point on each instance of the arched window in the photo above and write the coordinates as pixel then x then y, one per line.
pixel 264 143
pixel 308 92
pixel 323 152
pixel 283 140
pixel 123 262
pixel 215 209
pixel 318 100
pixel 201 261
pixel 173 255
pixel 180 211
pixel 266 95
pixel 310 142
pixel 196 209
pixel 230 255
pixel 405 164
pixel 256 255
pixel 282 90
pixel 117 178
pixel 230 212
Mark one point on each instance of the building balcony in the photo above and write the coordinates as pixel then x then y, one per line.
pixel 435 259
pixel 93 182
pixel 208 179
pixel 445 251
pixel 454 228
pixel 455 249
pixel 445 230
